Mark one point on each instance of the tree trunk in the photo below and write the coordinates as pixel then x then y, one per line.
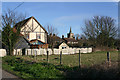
pixel 52 50
pixel 11 51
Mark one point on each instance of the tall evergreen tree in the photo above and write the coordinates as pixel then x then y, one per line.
pixel 10 34
pixel 9 38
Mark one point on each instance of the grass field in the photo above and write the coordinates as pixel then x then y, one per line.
pixel 93 66
pixel 73 60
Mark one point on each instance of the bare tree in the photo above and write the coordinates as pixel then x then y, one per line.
pixel 80 36
pixel 77 36
pixel 10 34
pixel 100 30
pixel 12 17
pixel 52 31
pixel 81 40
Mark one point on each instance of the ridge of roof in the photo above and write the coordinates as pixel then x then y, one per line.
pixel 39 24
pixel 23 22
pixel 70 39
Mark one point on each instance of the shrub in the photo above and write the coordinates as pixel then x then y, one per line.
pixel 36 70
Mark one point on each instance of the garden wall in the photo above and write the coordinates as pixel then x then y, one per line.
pixel 2 52
pixel 44 51
pixel 55 51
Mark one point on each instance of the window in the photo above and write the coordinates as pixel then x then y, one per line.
pixel 38 36
pixel 45 38
pixel 63 47
pixel 34 43
pixel 27 36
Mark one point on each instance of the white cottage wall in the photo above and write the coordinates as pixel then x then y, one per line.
pixel 34 29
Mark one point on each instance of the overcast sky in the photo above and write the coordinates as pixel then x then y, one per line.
pixel 62 15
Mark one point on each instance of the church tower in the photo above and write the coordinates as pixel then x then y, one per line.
pixel 70 34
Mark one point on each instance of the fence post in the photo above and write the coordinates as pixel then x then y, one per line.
pixel 60 57
pixel 47 55
pixel 35 51
pixel 31 52
pixel 27 52
pixel 79 59
pixel 16 52
pixel 108 58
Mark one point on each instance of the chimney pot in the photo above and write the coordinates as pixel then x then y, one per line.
pixel 53 34
pixel 62 36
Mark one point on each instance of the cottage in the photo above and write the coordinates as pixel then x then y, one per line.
pixel 34 32
pixel 32 29
pixel 63 45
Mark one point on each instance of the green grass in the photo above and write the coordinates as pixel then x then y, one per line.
pixel 27 69
pixel 73 60
pixel 93 66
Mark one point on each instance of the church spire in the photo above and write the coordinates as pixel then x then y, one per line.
pixel 70 34
pixel 70 30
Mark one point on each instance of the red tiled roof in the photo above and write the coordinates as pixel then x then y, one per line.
pixel 56 38
pixel 70 40
pixel 36 40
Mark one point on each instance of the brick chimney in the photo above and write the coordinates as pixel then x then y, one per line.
pixel 76 38
pixel 62 36
pixel 50 34
pixel 53 34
